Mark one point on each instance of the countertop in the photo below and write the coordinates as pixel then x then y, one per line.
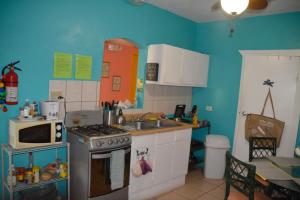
pixel 158 130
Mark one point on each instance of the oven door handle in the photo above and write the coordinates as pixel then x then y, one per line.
pixel 101 156
pixel 107 155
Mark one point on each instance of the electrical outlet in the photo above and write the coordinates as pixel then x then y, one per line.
pixel 209 108
pixel 54 95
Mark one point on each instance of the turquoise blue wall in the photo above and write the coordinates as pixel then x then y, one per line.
pixel 32 30
pixel 267 32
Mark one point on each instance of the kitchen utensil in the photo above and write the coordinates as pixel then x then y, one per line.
pixel 109 117
pixel 120 118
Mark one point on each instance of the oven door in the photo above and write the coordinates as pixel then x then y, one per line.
pixel 100 183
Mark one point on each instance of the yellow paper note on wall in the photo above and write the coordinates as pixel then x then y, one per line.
pixel 83 67
pixel 62 65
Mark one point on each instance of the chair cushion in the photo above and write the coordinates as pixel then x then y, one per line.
pixel 240 196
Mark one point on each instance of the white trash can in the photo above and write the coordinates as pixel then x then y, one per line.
pixel 215 151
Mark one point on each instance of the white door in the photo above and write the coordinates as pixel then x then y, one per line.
pixel 283 70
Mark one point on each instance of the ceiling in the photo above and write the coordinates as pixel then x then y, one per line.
pixel 200 10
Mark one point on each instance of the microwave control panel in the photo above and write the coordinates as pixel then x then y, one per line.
pixel 58 131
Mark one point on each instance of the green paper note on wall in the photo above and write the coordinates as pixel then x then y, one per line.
pixel 62 65
pixel 83 67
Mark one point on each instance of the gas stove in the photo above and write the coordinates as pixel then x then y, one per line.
pixel 93 151
pixel 97 130
pixel 99 137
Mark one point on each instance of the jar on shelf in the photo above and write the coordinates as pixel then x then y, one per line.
pixel 63 170
pixel 20 173
pixel 29 177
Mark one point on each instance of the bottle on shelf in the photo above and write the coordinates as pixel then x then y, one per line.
pixel 26 109
pixel 11 178
pixel 36 174
pixel 30 160
pixel 195 119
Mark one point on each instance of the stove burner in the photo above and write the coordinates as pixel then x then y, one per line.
pixel 97 130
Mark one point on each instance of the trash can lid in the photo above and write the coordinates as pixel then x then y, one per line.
pixel 217 141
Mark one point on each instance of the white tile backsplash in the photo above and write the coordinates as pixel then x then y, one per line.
pixel 57 86
pixel 148 106
pixel 98 92
pixel 163 98
pixel 84 95
pixel 73 91
pixel 79 95
pixel 73 106
pixel 91 105
pixel 89 91
pixel 149 92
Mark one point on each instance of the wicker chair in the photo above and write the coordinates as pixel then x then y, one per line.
pixel 241 176
pixel 261 147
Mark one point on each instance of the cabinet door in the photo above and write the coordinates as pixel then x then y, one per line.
pixel 171 65
pixel 162 163
pixel 203 68
pixel 194 68
pixel 180 159
pixel 141 143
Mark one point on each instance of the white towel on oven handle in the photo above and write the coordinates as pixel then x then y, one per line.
pixel 117 164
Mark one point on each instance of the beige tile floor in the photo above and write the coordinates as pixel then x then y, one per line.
pixel 197 187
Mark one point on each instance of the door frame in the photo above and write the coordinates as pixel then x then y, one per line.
pixel 291 52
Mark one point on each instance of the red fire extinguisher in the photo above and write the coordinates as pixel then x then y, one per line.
pixel 10 80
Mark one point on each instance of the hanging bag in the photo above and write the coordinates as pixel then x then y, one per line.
pixel 258 125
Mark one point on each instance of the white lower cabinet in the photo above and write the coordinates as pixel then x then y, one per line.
pixel 168 154
pixel 181 157
pixel 163 163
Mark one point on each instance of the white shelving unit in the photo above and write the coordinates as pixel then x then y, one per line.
pixel 11 152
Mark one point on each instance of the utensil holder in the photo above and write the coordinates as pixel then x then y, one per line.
pixel 109 117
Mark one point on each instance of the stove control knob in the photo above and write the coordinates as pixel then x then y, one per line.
pixel 116 141
pixel 98 143
pixel 121 140
pixel 110 142
pixel 126 139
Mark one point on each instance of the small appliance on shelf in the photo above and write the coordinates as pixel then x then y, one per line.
pixel 50 109
pixel 27 134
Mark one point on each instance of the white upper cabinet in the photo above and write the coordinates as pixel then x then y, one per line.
pixel 171 56
pixel 178 66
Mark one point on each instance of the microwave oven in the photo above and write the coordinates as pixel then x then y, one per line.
pixel 28 134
